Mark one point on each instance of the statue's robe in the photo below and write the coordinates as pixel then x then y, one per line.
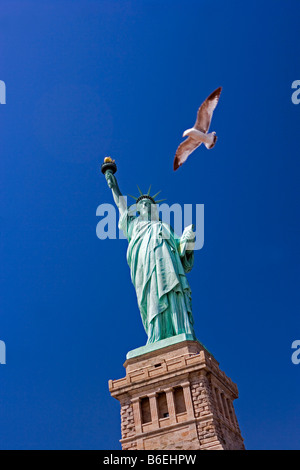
pixel 158 261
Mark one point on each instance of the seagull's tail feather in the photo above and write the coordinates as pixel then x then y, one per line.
pixel 214 140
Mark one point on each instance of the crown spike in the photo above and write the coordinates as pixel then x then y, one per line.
pixel 156 194
pixel 146 196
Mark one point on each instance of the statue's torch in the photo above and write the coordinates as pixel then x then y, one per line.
pixel 109 166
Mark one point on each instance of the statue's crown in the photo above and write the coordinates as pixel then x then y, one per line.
pixel 147 196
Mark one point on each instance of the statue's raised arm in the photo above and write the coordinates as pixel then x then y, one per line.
pixel 109 168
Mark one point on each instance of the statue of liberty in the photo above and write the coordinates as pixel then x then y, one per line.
pixel 158 261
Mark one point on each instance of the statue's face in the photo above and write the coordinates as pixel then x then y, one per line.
pixel 147 210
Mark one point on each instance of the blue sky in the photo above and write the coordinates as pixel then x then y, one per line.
pixel 85 79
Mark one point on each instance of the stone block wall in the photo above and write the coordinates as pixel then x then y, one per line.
pixel 177 398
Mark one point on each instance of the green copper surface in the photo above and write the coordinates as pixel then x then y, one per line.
pixel 163 343
pixel 158 261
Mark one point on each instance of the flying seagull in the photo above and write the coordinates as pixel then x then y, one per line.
pixel 199 132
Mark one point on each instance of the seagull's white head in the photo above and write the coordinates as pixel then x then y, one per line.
pixel 191 133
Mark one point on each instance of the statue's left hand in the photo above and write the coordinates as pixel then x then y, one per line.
pixel 189 234
pixel 187 241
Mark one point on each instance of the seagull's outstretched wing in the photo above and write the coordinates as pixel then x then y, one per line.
pixel 184 150
pixel 206 110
